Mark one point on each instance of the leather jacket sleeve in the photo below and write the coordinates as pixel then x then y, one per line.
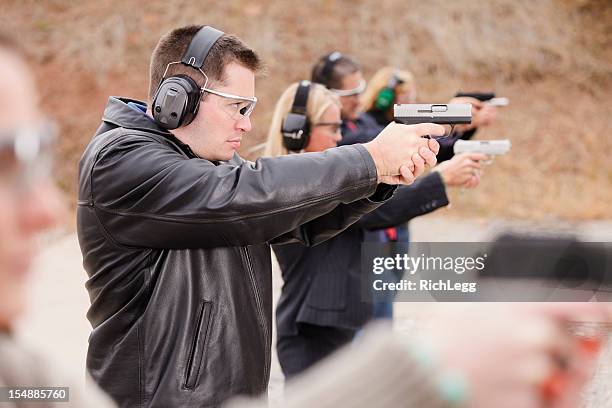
pixel 146 194
pixel 337 220
pixel 421 197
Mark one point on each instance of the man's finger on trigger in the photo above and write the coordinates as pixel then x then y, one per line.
pixel 423 129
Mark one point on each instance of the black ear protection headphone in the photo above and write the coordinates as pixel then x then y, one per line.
pixel 296 126
pixel 386 96
pixel 177 98
pixel 326 72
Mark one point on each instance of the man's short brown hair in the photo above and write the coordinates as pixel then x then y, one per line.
pixel 172 46
pixel 341 68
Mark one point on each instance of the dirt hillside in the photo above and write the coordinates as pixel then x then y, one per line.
pixel 552 58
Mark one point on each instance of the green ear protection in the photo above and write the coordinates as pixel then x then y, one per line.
pixel 386 96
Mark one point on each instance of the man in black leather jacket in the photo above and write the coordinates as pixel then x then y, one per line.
pixel 175 230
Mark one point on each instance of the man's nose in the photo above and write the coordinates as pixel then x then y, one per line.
pixel 244 123
pixel 42 208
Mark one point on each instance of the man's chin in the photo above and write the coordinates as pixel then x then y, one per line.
pixel 231 154
pixel 227 157
pixel 219 156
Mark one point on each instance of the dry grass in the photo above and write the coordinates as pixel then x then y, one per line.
pixel 553 59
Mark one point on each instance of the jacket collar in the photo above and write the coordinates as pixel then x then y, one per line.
pixel 119 113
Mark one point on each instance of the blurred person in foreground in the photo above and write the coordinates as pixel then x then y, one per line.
pixel 491 355
pixel 29 204
pixel 343 76
pixel 321 306
pixel 175 228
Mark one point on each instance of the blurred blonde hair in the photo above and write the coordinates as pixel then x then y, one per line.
pixel 380 80
pixel 319 99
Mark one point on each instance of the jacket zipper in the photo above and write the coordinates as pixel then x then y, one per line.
pixel 260 312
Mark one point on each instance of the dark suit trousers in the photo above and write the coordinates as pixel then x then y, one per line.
pixel 312 344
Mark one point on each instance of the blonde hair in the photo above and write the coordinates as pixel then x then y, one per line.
pixel 380 80
pixel 319 99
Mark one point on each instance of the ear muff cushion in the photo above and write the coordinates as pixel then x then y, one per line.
pixel 384 100
pixel 176 102
pixel 295 131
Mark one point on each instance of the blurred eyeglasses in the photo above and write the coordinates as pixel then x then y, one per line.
pixel 26 154
pixel 351 92
pixel 334 127
pixel 237 106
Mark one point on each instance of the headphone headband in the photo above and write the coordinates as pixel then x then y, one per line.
pixel 394 80
pixel 301 98
pixel 200 46
pixel 330 61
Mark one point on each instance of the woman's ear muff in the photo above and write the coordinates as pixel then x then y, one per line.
pixel 386 96
pixel 296 126
pixel 384 99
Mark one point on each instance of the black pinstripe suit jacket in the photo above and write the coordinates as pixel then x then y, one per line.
pixel 322 283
